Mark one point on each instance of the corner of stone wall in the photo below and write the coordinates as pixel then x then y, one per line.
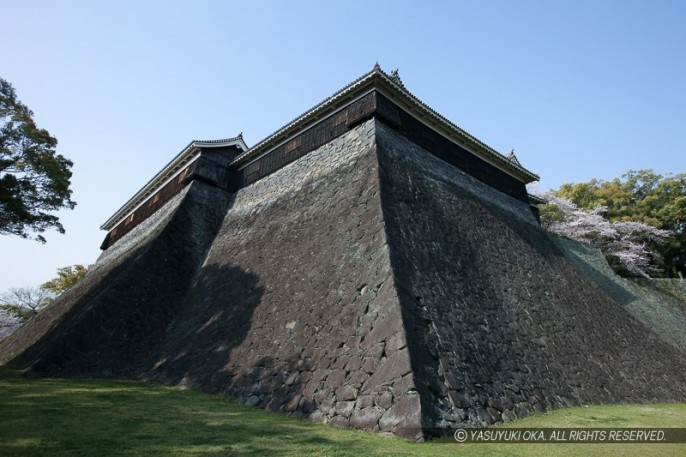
pixel 295 308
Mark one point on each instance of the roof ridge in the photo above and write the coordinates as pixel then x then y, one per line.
pixel 238 137
pixel 309 112
pixel 393 79
pixel 169 170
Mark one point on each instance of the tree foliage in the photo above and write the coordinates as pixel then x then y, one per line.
pixel 641 196
pixel 34 180
pixel 637 197
pixel 25 302
pixel 66 277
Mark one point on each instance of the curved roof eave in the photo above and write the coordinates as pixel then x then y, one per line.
pixel 396 91
pixel 168 171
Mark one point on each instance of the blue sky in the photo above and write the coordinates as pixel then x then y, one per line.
pixel 580 89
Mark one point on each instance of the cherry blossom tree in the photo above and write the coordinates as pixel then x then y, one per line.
pixel 641 196
pixel 8 323
pixel 629 247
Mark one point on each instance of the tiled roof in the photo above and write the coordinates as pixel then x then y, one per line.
pixel 182 159
pixel 392 86
pixel 389 84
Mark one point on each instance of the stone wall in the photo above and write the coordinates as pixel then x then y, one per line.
pixel 119 311
pixel 498 322
pixel 295 308
pixel 367 284
pixel 660 304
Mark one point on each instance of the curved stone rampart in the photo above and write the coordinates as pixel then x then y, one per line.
pixel 660 303
pixel 295 308
pixel 499 323
pixel 119 311
pixel 368 284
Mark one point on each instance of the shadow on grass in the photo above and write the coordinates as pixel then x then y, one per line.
pixel 66 417
pixel 94 417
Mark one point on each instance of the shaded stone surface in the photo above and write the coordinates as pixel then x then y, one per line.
pixel 105 324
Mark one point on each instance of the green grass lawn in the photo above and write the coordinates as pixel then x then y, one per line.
pixel 67 417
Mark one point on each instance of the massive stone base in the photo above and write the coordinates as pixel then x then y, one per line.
pixel 295 308
pixel 499 323
pixel 367 284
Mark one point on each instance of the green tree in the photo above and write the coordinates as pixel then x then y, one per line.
pixel 640 196
pixel 25 302
pixel 34 180
pixel 66 277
